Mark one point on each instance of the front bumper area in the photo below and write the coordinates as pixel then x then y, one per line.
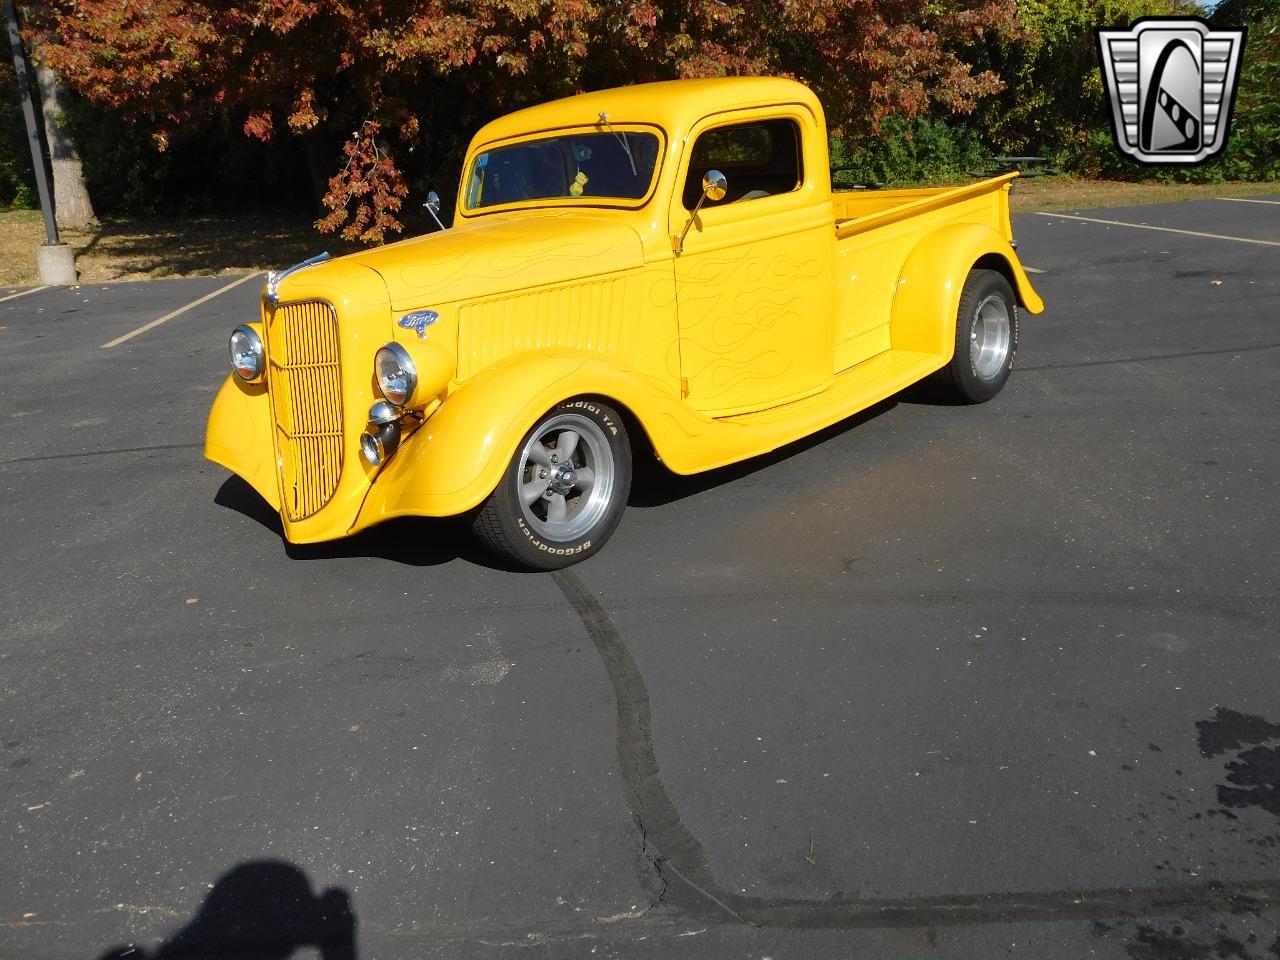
pixel 239 437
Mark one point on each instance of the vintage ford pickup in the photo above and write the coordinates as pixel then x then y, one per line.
pixel 665 258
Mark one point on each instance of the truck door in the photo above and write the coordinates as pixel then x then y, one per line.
pixel 755 278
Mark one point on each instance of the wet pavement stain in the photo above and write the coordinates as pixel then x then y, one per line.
pixel 1253 774
pixel 1192 940
pixel 1230 730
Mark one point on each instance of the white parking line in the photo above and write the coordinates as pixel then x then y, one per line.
pixel 181 310
pixel 1274 203
pixel 23 293
pixel 1032 269
pixel 1147 226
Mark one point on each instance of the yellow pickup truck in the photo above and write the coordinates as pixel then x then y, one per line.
pixel 666 259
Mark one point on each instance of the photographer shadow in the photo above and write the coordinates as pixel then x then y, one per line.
pixel 264 910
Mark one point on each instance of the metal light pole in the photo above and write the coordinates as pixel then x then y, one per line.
pixel 55 259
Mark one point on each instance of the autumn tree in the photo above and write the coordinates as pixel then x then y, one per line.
pixel 376 88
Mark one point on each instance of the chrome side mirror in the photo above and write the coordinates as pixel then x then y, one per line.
pixel 433 207
pixel 714 186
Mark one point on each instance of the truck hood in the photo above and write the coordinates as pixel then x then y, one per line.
pixel 502 253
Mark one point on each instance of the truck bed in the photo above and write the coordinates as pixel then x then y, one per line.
pixel 876 230
pixel 860 210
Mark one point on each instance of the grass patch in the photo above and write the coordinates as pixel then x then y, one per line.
pixel 1063 193
pixel 20 233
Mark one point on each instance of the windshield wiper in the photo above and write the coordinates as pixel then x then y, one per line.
pixel 622 139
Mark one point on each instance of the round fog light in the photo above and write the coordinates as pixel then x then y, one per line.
pixel 371 447
pixel 379 442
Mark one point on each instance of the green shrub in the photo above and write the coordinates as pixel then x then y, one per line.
pixel 907 152
pixel 1253 151
pixel 17 184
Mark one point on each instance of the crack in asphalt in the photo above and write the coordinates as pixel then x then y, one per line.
pixel 679 856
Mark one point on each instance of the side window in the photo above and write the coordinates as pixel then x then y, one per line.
pixel 760 159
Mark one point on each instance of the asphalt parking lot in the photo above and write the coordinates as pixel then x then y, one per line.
pixel 942 682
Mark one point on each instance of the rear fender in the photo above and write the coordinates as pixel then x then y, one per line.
pixel 928 293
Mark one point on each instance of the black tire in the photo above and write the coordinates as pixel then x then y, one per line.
pixel 975 374
pixel 546 534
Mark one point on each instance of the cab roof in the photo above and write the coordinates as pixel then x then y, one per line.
pixel 673 105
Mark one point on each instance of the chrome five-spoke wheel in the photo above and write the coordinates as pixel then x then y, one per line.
pixel 566 477
pixel 564 490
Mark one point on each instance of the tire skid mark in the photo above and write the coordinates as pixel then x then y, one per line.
pixel 664 836
pixel 686 883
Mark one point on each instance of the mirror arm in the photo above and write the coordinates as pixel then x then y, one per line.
pixel 432 206
pixel 679 241
pixel 714 186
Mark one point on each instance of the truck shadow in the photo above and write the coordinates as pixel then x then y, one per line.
pixel 412 541
pixel 263 909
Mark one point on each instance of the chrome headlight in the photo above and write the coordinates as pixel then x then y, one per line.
pixel 248 358
pixel 396 374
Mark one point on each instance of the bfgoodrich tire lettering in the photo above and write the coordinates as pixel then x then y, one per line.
pixel 564 490
pixel 986 339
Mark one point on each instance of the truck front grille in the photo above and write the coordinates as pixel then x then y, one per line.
pixel 306 397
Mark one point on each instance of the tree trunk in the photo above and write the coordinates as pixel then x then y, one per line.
pixel 70 196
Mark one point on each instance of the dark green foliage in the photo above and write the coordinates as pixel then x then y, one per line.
pixel 907 152
pixel 1253 152
pixel 17 184
pixel 218 170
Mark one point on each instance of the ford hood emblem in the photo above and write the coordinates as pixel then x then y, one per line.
pixel 419 320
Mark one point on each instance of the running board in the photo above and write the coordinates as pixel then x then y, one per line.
pixel 854 389
pixel 703 443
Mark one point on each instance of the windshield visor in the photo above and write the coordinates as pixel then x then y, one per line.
pixel 614 166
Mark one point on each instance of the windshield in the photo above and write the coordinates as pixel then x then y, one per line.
pixel 615 165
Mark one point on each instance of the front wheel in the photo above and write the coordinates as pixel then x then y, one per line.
pixel 564 491
pixel 986 339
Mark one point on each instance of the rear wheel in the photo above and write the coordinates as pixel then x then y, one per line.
pixel 564 491
pixel 986 339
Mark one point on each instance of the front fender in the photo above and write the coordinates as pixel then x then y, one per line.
pixel 453 461
pixel 932 279
pixel 238 436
